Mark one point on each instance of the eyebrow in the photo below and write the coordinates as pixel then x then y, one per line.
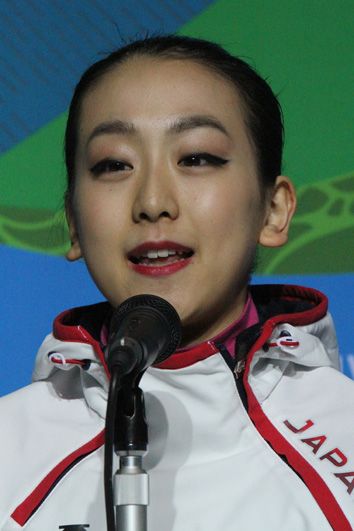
pixel 197 120
pixel 120 127
pixel 115 127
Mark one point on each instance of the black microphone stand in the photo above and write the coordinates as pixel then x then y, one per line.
pixel 127 496
pixel 131 482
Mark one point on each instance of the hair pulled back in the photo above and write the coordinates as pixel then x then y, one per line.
pixel 262 110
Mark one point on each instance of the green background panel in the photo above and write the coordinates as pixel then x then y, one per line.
pixel 32 172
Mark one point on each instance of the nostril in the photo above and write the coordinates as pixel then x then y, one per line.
pixel 143 216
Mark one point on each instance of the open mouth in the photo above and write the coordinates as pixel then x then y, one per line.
pixel 159 257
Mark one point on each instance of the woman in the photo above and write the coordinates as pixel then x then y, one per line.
pixel 173 151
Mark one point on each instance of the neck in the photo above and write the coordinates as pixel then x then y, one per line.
pixel 209 327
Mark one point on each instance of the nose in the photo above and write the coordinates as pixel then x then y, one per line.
pixel 156 197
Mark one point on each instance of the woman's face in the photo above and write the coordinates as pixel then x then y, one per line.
pixel 167 199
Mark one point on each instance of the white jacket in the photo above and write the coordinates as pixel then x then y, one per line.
pixel 269 450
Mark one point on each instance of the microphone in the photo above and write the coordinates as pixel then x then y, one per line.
pixel 145 329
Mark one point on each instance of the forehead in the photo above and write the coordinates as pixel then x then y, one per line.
pixel 160 87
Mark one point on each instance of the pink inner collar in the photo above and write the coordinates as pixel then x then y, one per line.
pixel 228 336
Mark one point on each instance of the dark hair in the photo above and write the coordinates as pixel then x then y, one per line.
pixel 262 110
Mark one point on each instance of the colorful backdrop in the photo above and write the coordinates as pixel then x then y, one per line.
pixel 304 48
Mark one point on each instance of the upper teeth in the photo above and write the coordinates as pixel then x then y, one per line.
pixel 160 253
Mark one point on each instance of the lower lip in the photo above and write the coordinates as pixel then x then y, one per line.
pixel 158 271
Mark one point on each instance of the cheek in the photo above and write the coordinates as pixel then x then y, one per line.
pixel 97 213
pixel 230 212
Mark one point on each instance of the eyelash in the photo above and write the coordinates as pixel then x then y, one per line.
pixel 211 160
pixel 193 160
pixel 109 166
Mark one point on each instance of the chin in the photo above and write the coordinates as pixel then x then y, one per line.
pixel 164 294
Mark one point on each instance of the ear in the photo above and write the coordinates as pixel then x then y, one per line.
pixel 74 252
pixel 279 213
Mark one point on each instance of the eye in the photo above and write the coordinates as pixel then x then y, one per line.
pixel 109 166
pixel 202 159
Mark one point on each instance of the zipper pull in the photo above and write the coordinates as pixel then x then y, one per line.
pixel 239 369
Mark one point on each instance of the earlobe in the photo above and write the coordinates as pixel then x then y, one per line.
pixel 279 214
pixel 74 252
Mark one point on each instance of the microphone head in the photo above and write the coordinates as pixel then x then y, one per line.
pixel 151 321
